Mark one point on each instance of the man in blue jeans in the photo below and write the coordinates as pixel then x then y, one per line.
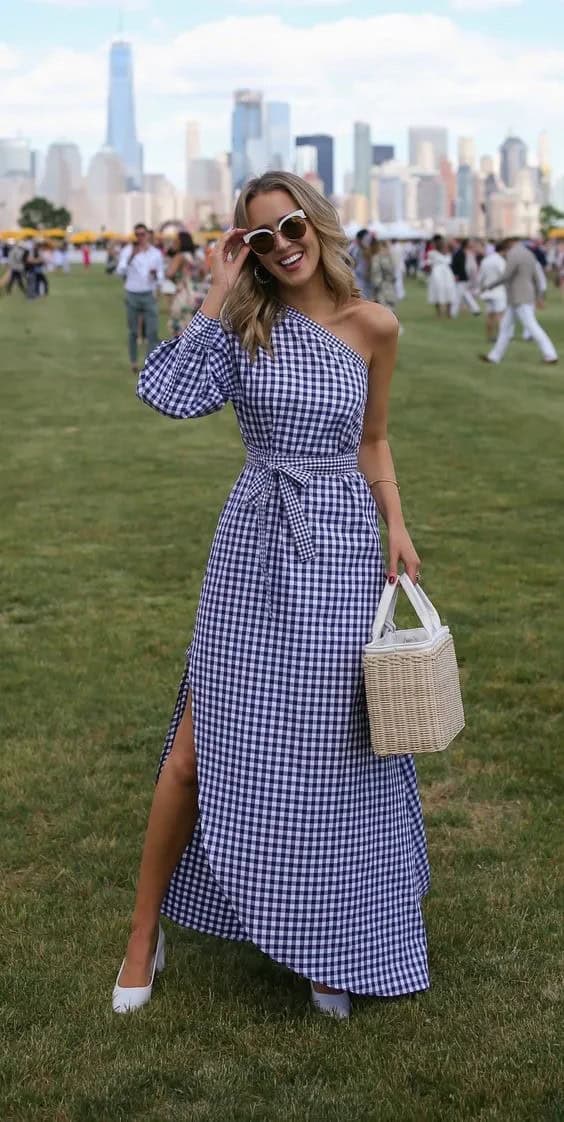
pixel 142 266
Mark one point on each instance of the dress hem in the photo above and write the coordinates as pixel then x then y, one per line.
pixel 337 983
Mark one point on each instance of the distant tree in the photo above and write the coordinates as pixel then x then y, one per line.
pixel 40 214
pixel 549 216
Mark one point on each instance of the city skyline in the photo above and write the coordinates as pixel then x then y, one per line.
pixel 191 74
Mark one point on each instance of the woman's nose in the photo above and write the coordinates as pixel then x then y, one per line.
pixel 280 241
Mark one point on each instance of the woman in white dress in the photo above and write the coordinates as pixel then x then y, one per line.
pixel 491 269
pixel 442 287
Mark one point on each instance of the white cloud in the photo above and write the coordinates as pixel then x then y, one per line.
pixel 483 5
pixel 294 4
pixel 9 59
pixel 391 70
pixel 124 5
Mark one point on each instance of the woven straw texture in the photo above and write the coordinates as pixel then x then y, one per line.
pixel 413 698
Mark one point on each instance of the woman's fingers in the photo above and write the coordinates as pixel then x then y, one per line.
pixel 231 239
pixel 393 565
pixel 412 570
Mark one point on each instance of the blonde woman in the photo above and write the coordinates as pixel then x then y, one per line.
pixel 272 820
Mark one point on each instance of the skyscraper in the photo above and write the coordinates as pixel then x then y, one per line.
pixel 513 157
pixel 437 138
pixel 324 146
pixel 121 133
pixel 465 192
pixel 466 151
pixel 362 159
pixel 278 135
pixel 381 153
pixel 15 156
pixel 63 173
pixel 248 147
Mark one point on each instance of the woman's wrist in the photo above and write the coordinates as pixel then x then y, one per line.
pixel 213 303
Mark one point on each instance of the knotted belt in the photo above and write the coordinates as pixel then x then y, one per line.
pixel 291 474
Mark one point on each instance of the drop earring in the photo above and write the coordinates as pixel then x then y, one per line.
pixel 262 275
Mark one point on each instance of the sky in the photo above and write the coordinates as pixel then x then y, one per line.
pixel 478 67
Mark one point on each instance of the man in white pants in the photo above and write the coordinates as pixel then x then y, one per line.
pixel 522 283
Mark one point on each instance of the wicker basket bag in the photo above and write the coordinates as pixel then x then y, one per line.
pixel 411 679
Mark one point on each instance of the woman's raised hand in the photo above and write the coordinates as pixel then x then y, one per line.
pixel 227 259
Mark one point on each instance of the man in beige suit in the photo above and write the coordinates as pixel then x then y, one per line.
pixel 523 288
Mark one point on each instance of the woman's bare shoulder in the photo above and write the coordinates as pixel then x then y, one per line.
pixel 374 319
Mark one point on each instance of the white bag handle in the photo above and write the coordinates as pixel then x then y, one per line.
pixel 423 607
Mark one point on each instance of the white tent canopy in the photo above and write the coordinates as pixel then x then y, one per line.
pixel 401 230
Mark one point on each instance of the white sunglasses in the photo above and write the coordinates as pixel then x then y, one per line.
pixel 292 226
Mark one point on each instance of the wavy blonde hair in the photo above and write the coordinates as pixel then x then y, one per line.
pixel 251 308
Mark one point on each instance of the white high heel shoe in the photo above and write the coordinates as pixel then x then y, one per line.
pixel 125 999
pixel 333 1004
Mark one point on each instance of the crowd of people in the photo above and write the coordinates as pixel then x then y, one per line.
pixel 27 264
pixel 177 273
pixel 509 274
pixel 173 275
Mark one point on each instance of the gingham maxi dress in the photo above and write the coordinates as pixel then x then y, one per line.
pixel 307 844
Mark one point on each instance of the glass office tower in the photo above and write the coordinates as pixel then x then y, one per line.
pixel 324 147
pixel 121 132
pixel 248 142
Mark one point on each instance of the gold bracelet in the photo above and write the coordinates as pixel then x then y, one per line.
pixel 394 481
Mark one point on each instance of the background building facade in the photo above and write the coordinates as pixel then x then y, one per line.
pixel 513 157
pixel 362 159
pixel 427 143
pixel 248 150
pixel 278 136
pixel 324 146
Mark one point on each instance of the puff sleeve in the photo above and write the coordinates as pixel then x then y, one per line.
pixel 192 375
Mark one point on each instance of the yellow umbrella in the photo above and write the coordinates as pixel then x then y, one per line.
pixel 83 236
pixel 56 233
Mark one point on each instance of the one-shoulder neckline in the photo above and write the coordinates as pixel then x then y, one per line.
pixel 324 332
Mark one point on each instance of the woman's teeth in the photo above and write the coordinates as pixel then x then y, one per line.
pixel 287 261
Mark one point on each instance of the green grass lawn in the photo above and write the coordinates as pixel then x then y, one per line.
pixel 106 517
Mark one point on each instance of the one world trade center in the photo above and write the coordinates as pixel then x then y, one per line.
pixel 121 133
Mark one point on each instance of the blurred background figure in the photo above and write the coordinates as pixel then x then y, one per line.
pixel 181 270
pixel 491 269
pixel 465 272
pixel 523 289
pixel 442 289
pixel 141 266
pixel 112 258
pixel 16 265
pixel 382 274
pixel 397 253
pixel 362 257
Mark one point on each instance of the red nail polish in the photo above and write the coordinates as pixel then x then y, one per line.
pixel 391 580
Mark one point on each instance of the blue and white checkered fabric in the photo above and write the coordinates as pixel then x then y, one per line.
pixel 307 844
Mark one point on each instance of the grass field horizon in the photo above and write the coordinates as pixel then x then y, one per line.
pixel 107 515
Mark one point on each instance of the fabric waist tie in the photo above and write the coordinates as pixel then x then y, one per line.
pixel 291 473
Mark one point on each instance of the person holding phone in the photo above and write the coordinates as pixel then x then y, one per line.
pixel 141 265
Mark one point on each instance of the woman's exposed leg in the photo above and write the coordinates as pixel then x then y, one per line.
pixel 172 819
